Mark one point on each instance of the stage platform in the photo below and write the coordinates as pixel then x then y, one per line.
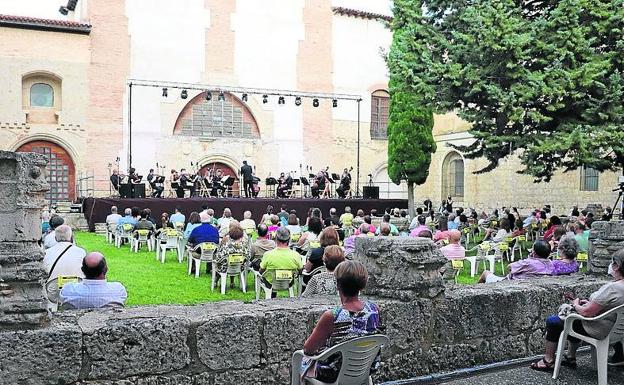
pixel 96 209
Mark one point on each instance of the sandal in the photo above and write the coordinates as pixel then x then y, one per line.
pixel 544 367
pixel 568 362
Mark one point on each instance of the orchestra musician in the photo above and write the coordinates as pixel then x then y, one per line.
pixel 175 184
pixel 115 179
pixel 247 173
pixel 285 184
pixel 324 176
pixel 345 184
pixel 320 184
pixel 157 188
pixel 133 177
pixel 186 183
pixel 218 190
pixel 256 185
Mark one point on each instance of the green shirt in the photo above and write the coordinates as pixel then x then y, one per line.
pixel 583 242
pixel 279 258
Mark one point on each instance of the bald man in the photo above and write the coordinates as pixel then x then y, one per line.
pixel 94 291
pixel 454 250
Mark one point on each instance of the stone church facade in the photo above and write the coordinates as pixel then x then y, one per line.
pixel 67 96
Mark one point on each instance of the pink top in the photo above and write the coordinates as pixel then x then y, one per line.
pixel 440 235
pixel 418 229
pixel 453 251
pixel 530 268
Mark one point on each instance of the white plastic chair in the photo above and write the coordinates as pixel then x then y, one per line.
pixel 168 241
pixel 599 348
pixel 53 289
pixel 281 280
pixel 111 230
pixel 483 250
pixel 206 252
pixel 358 355
pixel 235 268
pixel 517 246
pixel 304 274
pixel 124 233
pixel 141 236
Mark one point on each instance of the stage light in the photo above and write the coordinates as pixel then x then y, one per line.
pixel 244 97
pixel 265 99
pixel 335 103
pixel 184 94
pixel 71 5
pixel 63 11
pixel 315 102
pixel 208 96
pixel 221 96
pixel 281 100
pixel 165 93
pixel 297 101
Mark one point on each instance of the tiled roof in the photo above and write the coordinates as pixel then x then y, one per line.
pixel 361 14
pixel 44 24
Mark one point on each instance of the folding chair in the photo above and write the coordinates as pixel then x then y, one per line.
pixel 599 348
pixel 206 252
pixel 358 356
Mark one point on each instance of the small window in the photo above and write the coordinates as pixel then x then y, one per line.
pixel 41 95
pixel 380 109
pixel 589 179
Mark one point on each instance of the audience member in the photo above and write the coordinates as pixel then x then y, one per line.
pixel 354 318
pixel 349 243
pixel 247 222
pixel 62 259
pixel 346 219
pixel 393 229
pixel 261 246
pixel 282 257
pixel 204 232
pixel 177 217
pixel 552 226
pixel 384 230
pixel 127 219
pixel 442 232
pixel 112 218
pixel 163 223
pixel 535 265
pixel 567 249
pixel 582 237
pixel 143 223
pixel 369 220
pixel 94 291
pixel 315 226
pixel 328 237
pixel 420 220
pixel 293 225
pixel 451 224
pixel 454 250
pixel 194 222
pixel 234 243
pixel 324 283
pixel 283 216
pixel 275 224
pixel 50 239
pixel 224 222
pixel 609 296
pixel 266 217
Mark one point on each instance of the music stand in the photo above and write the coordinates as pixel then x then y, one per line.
pixel 270 183
pixel 305 187
pixel 228 182
pixel 335 176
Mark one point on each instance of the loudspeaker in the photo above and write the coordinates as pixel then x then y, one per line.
pixel 371 192
pixel 138 190
pixel 125 190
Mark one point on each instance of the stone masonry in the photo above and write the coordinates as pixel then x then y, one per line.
pixel 22 188
pixel 605 238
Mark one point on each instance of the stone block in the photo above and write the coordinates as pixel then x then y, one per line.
pixel 285 331
pixel 418 260
pixel 127 347
pixel 230 341
pixel 37 357
pixel 19 252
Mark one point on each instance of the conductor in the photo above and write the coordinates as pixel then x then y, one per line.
pixel 247 174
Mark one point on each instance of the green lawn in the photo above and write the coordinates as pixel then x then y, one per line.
pixel 150 282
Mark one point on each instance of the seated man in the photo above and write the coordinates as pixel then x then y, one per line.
pixel 126 219
pixel 94 291
pixel 393 229
pixel 454 250
pixel 204 232
pixel 282 257
pixel 346 219
pixel 224 222
pixel 113 218
pixel 261 246
pixel 385 230
pixel 420 220
pixel 177 217
pixel 144 223
pixel 62 259
pixel 535 265
pixel 50 239
pixel 247 222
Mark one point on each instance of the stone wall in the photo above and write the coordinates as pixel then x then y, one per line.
pixel 605 238
pixel 236 343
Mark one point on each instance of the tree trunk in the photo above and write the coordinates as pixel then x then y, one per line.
pixel 410 200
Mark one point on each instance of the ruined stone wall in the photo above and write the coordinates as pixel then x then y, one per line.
pixel 605 238
pixel 236 343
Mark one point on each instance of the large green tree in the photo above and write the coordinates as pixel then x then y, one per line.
pixel 541 79
pixel 410 137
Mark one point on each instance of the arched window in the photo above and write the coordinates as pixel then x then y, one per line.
pixel 380 110
pixel 41 95
pixel 453 176
pixel 225 117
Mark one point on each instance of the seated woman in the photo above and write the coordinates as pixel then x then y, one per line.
pixel 609 296
pixel 535 265
pixel 325 283
pixel 353 318
pixel 234 243
pixel 163 224
pixel 499 235
pixel 329 236
pixel 293 225
pixel 568 249
pixel 315 226
pixel 559 232
pixel 442 232
pixel 193 223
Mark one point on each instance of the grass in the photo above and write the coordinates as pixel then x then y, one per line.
pixel 150 282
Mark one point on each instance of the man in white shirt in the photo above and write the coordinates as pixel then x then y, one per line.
pixel 247 222
pixel 113 217
pixel 50 239
pixel 224 222
pixel 177 217
pixel 62 259
pixel 94 291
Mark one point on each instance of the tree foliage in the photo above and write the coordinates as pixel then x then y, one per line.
pixel 410 138
pixel 542 79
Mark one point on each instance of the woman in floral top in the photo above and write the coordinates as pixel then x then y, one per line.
pixel 325 283
pixel 234 243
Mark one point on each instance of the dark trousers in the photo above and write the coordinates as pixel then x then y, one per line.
pixel 180 192
pixel 554 328
pixel 248 187
pixel 157 191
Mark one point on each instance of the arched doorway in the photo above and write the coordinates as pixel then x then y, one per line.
pixel 212 168
pixel 387 188
pixel 61 171
pixel 453 176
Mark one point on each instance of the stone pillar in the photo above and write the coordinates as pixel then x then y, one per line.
pixel 403 268
pixel 605 238
pixel 22 189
